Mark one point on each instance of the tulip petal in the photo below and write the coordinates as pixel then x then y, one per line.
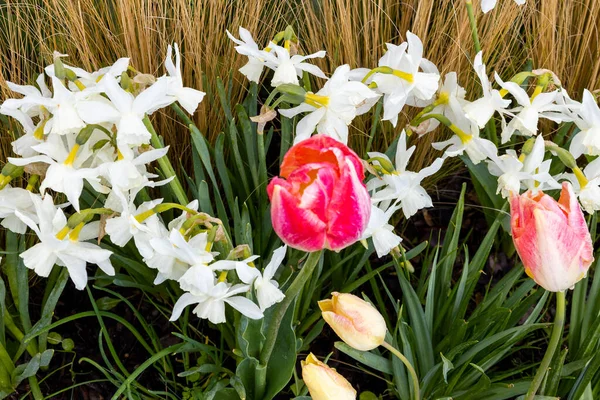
pixel 297 227
pixel 349 210
pixel 318 149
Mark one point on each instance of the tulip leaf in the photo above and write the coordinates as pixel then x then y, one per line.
pixel 280 366
pixel 372 360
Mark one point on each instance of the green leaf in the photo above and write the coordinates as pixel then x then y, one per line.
pixel 584 378
pixel 246 371
pixel 283 359
pixel 482 384
pixel 107 303
pixel 446 367
pixel 372 360
pixel 238 385
pixel 424 347
pixel 18 279
pixel 24 371
pixel 368 396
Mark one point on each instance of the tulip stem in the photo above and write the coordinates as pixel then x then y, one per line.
pixel 281 308
pixel 408 365
pixel 555 338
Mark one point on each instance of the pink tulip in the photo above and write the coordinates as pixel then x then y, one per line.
pixel 551 238
pixel 320 200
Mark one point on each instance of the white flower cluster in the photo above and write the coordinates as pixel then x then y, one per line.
pixel 93 128
pixel 404 78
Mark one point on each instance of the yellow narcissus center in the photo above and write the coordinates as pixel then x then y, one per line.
pixel 316 100
pixel 403 75
pixel 72 155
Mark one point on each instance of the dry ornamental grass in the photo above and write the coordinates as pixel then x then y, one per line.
pixel 559 35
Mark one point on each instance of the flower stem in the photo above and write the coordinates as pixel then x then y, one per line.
pixel 34 385
pixel 555 338
pixel 281 308
pixel 408 365
pixel 165 165
pixel 473 24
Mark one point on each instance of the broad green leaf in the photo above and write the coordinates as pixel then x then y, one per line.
pixel 367 358
pixel 281 365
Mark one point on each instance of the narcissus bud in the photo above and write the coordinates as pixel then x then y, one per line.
pixel 325 383
pixel 354 320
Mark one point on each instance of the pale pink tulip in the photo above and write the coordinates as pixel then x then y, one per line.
pixel 323 382
pixel 320 200
pixel 551 238
pixel 355 321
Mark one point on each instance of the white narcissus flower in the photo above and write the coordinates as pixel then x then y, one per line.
pixel 33 99
pixel 402 186
pixel 530 172
pixel 63 106
pixel 188 98
pixel 289 68
pixel 248 47
pixel 406 84
pixel 58 247
pixel 211 298
pixel 267 289
pixel 482 109
pixel 538 169
pixel 90 79
pixel 333 107
pixel 178 255
pixel 65 173
pixel 123 228
pixel 449 93
pixel 589 194
pixel 587 141
pixel 488 5
pixel 509 170
pixel 126 111
pixel 528 114
pixel 380 230
pixel 12 200
pixel 130 174
pixel 466 140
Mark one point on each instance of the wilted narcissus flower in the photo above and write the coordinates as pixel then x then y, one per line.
pixel 355 321
pixel 551 238
pixel 320 200
pixel 325 383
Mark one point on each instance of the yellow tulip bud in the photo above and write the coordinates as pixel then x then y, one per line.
pixel 325 383
pixel 354 320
